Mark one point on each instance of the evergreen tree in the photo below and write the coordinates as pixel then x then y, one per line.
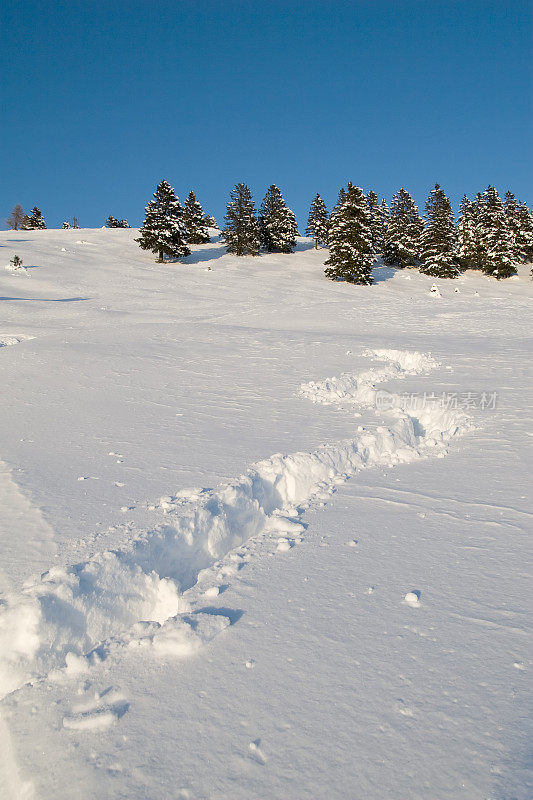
pixel 467 235
pixel 33 221
pixel 16 219
pixel 75 222
pixel 66 226
pixel 241 232
pixel 383 222
pixel 350 240
pixel 520 226
pixel 496 239
pixel 194 218
pixel 343 194
pixel 277 223
pixel 163 230
pixel 210 222
pixel 525 228
pixel 378 221
pixel 401 247
pixel 438 243
pixel 37 219
pixel 317 223
pixel 113 222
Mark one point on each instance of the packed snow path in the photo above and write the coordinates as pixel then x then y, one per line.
pixel 71 612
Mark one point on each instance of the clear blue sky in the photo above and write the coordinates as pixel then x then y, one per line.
pixel 102 100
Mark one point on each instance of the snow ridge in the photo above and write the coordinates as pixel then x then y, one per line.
pixel 137 596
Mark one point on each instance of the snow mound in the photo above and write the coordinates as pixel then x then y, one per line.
pixel 107 598
pixel 6 341
pixel 360 388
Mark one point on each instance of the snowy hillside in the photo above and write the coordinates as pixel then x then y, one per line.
pixel 262 535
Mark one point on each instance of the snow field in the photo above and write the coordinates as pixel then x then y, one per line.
pixel 137 596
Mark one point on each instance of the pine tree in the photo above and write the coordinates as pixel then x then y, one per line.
pixel 438 243
pixel 241 232
pixel 37 219
pixel 317 223
pixel 66 226
pixel 467 235
pixel 16 219
pixel 210 222
pixel 75 222
pixel 341 198
pixel 401 247
pixel 378 221
pixel 496 239
pixel 113 222
pixel 194 218
pixel 384 221
pixel 350 240
pixel 525 228
pixel 520 226
pixel 163 230
pixel 277 223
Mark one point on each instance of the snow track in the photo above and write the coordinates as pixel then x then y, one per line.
pixel 137 596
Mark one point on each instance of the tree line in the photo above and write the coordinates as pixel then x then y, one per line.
pixel 491 235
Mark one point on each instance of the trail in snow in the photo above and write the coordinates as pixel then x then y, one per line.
pixel 137 596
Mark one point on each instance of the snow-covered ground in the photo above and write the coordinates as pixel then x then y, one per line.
pixel 262 535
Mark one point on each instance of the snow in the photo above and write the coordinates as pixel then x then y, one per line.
pixel 212 552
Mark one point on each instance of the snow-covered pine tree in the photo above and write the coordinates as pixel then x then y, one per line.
pixel 383 222
pixel 496 239
pixel 317 222
pixel 277 223
pixel 113 222
pixel 66 226
pixel 350 240
pixel 343 193
pixel 210 222
pixel 37 219
pixel 378 221
pixel 525 227
pixel 194 218
pixel 467 238
pixel 520 226
pixel 163 230
pixel 438 241
pixel 241 232
pixel 401 247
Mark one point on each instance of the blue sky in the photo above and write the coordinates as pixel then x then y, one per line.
pixel 102 100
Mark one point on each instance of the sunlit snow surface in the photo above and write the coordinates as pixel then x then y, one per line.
pixel 340 605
